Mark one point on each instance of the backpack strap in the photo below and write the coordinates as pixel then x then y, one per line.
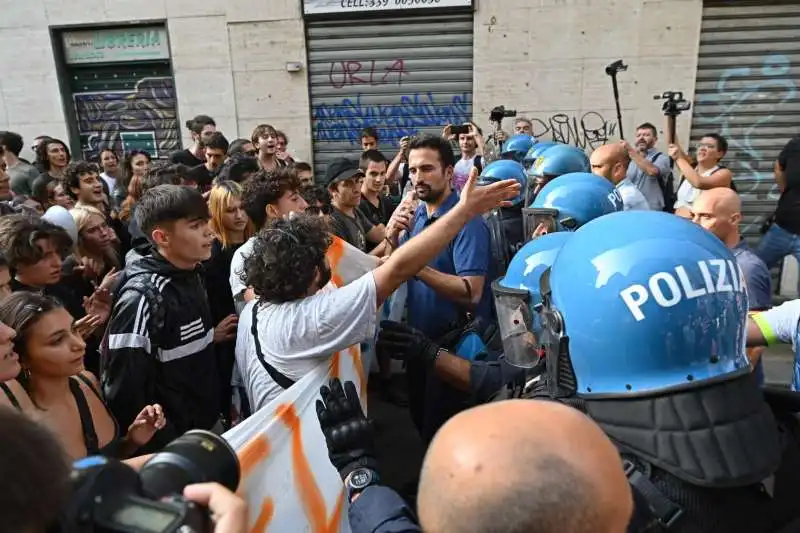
pixel 478 163
pixel 142 285
pixel 281 379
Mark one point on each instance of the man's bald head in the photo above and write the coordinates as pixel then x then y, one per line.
pixel 719 210
pixel 611 162
pixel 520 466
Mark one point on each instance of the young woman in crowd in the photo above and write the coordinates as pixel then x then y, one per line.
pixel 109 162
pixel 231 228
pixel 135 167
pixel 13 393
pixel 706 173
pixel 66 397
pixel 95 255
pixel 52 156
pixel 49 192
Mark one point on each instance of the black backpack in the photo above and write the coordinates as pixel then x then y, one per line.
pixel 667 185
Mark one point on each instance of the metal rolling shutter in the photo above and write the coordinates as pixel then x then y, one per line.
pixel 747 77
pixel 125 106
pixel 403 76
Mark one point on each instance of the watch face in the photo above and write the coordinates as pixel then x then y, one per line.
pixel 360 478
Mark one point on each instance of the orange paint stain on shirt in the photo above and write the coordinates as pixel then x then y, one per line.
pixel 310 495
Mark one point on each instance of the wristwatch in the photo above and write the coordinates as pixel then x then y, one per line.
pixel 358 480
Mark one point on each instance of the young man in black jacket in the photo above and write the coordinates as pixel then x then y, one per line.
pixel 160 339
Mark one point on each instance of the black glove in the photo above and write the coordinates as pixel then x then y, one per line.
pixel 403 342
pixel 348 433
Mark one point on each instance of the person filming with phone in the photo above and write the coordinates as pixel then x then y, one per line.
pixel 470 143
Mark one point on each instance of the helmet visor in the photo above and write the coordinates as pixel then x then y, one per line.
pixel 537 221
pixel 515 322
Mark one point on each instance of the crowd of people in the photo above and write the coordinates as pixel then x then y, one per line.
pixel 599 309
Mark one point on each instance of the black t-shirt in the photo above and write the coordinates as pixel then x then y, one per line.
pixel 352 230
pixel 377 215
pixel 185 157
pixel 787 214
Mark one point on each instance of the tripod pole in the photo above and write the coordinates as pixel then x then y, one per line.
pixel 616 100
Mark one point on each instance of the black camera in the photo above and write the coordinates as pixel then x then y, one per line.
pixel 674 103
pixel 498 113
pixel 110 497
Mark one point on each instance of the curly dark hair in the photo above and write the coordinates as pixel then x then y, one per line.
pixel 287 256
pixel 73 173
pixel 18 236
pixel 266 188
pixel 41 152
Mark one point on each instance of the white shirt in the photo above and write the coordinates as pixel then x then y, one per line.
pixel 237 266
pixel 298 336
pixel 110 181
pixel 688 193
pixel 632 197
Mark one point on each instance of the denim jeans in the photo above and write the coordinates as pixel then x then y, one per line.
pixel 776 244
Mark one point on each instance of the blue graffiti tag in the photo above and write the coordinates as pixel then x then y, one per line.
pixel 773 68
pixel 344 121
pixel 773 75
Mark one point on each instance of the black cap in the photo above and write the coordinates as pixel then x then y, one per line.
pixel 341 169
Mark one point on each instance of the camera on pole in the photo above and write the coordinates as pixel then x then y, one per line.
pixel 612 70
pixel 674 103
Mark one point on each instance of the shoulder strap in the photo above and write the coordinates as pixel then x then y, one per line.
pixel 10 396
pixel 87 424
pixel 282 380
pixel 478 163
pixel 143 285
pixel 667 513
pixel 86 381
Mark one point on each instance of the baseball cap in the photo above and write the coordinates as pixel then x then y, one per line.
pixel 341 169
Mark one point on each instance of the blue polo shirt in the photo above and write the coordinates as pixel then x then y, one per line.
pixel 468 254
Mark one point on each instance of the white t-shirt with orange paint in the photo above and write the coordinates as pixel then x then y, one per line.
pixel 298 336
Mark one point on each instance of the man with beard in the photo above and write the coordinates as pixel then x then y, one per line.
pixel 452 285
pixel 649 170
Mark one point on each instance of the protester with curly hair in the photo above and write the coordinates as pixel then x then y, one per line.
pixel 300 320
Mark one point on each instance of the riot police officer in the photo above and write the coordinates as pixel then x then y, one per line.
pixel 505 224
pixel 568 202
pixel 643 327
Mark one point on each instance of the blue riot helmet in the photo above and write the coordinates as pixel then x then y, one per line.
pixel 568 202
pixel 505 224
pixel 517 147
pixel 535 151
pixel 640 302
pixel 517 294
pixel 505 169
pixel 553 162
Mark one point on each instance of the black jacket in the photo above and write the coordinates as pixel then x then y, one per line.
pixel 160 348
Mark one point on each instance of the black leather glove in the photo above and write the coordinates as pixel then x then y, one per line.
pixel 403 342
pixel 348 433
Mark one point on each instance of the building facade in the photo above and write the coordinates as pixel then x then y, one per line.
pixel 130 74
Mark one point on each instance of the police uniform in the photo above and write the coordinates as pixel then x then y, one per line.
pixel 643 322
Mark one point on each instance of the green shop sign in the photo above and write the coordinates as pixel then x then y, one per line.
pixel 117 45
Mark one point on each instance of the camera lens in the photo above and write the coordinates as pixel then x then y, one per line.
pixel 198 456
